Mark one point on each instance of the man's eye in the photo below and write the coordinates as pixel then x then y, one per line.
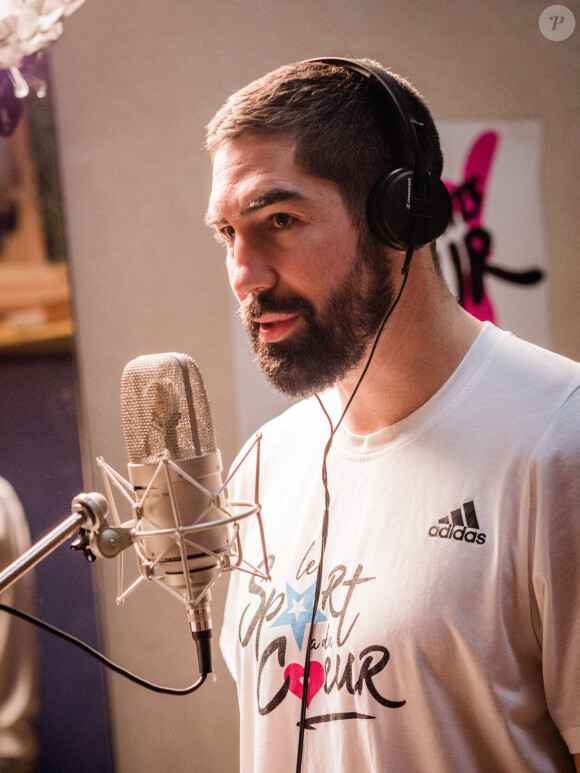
pixel 281 220
pixel 225 234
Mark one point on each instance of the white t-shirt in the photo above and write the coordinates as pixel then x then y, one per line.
pixel 448 631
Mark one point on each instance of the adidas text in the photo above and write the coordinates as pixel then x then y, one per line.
pixel 460 533
pixel 461 525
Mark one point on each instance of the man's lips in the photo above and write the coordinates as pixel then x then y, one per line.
pixel 275 327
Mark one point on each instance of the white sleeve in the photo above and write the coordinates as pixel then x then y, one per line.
pixel 555 556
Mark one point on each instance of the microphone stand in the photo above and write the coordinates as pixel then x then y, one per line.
pixel 96 537
pixel 88 514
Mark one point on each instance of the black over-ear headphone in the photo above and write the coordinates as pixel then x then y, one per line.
pixel 406 208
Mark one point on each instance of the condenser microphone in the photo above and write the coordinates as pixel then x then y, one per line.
pixel 175 470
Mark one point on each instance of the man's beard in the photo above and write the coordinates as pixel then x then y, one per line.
pixel 335 338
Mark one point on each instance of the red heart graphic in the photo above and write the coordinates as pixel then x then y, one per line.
pixel 315 679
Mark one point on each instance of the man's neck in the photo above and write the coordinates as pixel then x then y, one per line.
pixel 421 346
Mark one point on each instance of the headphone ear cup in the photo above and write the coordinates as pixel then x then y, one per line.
pixel 392 207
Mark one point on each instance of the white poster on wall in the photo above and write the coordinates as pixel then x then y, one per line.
pixel 494 253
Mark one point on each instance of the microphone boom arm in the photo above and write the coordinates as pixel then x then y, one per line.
pixel 88 512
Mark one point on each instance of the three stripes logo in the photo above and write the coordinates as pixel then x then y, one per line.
pixel 462 526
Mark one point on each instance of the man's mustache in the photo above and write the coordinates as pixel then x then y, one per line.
pixel 271 302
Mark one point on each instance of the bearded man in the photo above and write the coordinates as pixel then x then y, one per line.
pixel 420 502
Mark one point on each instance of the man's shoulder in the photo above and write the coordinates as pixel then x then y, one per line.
pixel 293 440
pixel 560 365
pixel 526 389
pixel 535 370
pixel 302 421
pixel 304 418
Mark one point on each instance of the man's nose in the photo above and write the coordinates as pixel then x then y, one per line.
pixel 250 270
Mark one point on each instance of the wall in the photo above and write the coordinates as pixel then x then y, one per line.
pixel 136 82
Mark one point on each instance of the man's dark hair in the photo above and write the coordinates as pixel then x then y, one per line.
pixel 343 124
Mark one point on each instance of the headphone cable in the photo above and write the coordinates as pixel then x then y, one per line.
pixel 325 518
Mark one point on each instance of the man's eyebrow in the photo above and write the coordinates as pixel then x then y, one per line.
pixel 272 197
pixel 253 205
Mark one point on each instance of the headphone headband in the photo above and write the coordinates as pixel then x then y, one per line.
pixel 405 208
pixel 387 81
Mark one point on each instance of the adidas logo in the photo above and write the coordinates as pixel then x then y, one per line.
pixel 462 526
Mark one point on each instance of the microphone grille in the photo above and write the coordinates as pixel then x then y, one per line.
pixel 165 409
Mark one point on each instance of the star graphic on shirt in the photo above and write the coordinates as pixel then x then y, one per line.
pixel 298 612
pixel 297 608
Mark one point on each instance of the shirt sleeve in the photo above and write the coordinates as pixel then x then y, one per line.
pixel 555 543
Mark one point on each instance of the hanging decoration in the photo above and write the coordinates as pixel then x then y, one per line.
pixel 27 28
